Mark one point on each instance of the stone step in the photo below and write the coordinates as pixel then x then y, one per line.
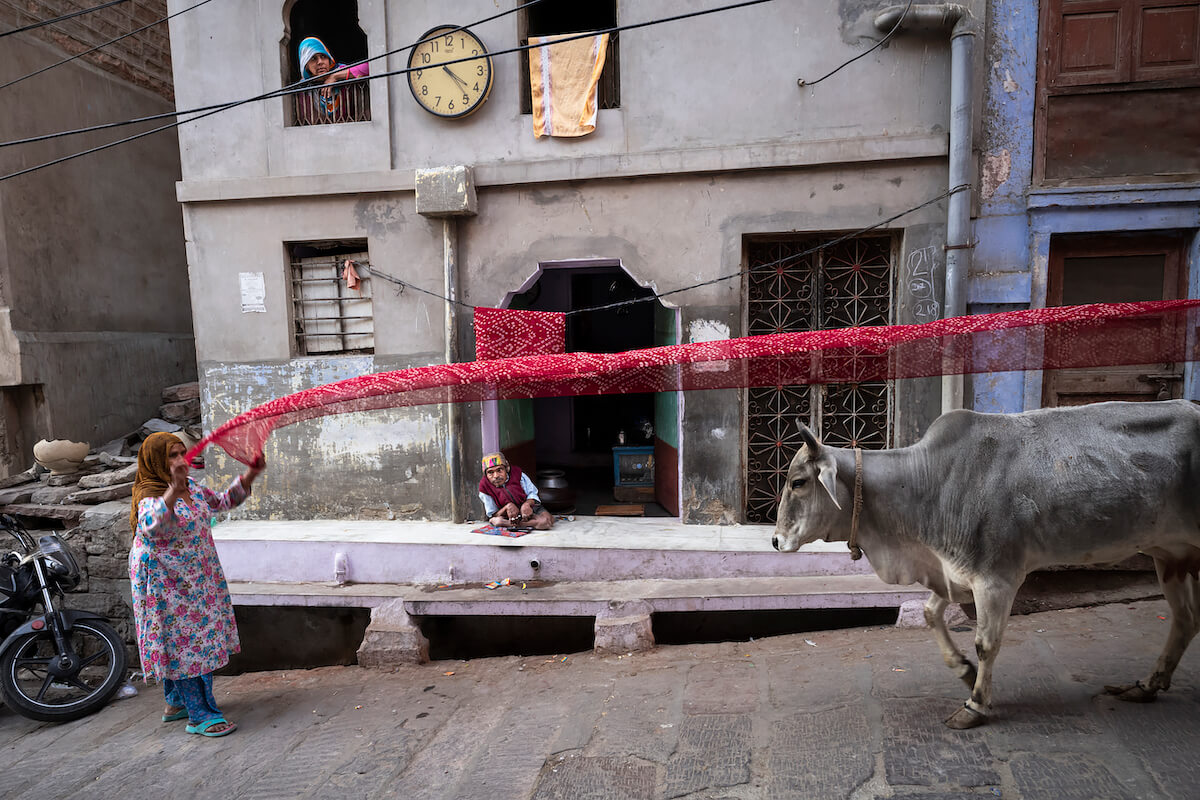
pixel 622 610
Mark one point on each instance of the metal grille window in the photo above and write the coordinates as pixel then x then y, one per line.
pixel 329 317
pixel 344 103
pixel 789 290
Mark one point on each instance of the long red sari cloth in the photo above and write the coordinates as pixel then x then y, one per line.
pixel 1062 337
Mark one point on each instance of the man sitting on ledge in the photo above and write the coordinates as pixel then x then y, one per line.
pixel 509 497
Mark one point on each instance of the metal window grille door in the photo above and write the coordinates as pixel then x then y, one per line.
pixel 329 317
pixel 843 285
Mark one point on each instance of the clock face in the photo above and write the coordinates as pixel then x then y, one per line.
pixel 449 90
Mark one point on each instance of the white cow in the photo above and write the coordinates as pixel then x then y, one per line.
pixel 982 500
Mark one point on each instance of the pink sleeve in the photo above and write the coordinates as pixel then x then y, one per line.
pixel 222 501
pixel 360 71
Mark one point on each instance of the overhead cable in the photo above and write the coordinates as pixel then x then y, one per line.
pixel 373 270
pixel 72 15
pixel 525 47
pixel 791 257
pixel 364 79
pixel 306 83
pixel 802 83
pixel 92 50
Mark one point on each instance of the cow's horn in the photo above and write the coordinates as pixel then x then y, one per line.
pixel 809 439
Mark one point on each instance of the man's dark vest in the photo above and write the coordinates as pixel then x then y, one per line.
pixel 510 492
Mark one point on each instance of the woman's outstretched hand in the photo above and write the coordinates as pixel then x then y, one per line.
pixel 252 471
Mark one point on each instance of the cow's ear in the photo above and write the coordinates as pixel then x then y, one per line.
pixel 826 466
pixel 827 475
pixel 810 439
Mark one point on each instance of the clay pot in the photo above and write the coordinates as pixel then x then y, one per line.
pixel 61 455
pixel 553 490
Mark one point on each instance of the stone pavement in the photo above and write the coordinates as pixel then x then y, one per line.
pixel 853 713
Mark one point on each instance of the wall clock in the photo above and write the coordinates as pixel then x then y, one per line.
pixel 450 91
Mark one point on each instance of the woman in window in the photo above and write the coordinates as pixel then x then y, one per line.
pixel 329 104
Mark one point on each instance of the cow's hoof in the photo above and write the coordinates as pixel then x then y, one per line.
pixel 1132 693
pixel 965 718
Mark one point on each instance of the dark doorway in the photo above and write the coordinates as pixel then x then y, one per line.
pixel 583 436
pixel 334 23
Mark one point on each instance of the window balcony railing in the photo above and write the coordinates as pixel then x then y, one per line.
pixel 339 103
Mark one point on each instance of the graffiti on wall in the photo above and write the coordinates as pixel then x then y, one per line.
pixel 920 276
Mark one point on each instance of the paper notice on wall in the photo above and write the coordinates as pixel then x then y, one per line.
pixel 254 292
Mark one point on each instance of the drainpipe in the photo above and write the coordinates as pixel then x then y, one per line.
pixel 454 415
pixel 961 26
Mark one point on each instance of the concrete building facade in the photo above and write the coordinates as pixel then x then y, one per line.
pixel 716 153
pixel 94 312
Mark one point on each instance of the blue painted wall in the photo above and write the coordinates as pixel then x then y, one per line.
pixel 1016 220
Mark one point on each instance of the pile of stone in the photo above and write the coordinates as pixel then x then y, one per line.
pixel 107 472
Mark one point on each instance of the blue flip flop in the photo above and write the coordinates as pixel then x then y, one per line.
pixel 180 714
pixel 203 728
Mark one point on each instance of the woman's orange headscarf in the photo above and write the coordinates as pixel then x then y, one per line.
pixel 153 472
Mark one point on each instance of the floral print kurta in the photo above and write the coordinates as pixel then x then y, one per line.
pixel 185 624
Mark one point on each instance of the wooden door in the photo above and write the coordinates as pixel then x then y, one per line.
pixel 1114 269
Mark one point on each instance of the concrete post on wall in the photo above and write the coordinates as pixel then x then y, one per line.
pixel 392 638
pixel 624 627
pixel 448 193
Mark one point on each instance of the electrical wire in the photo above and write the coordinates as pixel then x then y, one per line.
pixel 403 284
pixel 301 86
pixel 962 187
pixel 526 47
pixel 73 14
pixel 802 83
pixel 304 83
pixel 364 79
pixel 92 50
pixel 955 190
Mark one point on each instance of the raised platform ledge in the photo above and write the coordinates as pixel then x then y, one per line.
pixel 585 549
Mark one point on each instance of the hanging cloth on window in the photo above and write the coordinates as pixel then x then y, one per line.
pixel 350 275
pixel 562 82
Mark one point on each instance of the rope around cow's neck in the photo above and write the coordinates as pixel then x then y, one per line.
pixel 856 551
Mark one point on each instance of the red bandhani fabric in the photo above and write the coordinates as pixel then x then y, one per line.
pixel 507 333
pixel 1048 338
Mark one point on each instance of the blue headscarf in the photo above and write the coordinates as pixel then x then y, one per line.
pixel 308 48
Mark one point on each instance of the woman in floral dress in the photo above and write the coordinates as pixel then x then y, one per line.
pixel 185 624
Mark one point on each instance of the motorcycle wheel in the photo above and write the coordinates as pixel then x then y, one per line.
pixel 33 691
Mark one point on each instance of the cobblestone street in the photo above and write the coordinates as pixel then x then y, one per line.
pixel 833 714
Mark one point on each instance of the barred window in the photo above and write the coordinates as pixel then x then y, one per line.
pixel 330 317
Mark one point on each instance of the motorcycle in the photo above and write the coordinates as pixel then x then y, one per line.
pixel 61 664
